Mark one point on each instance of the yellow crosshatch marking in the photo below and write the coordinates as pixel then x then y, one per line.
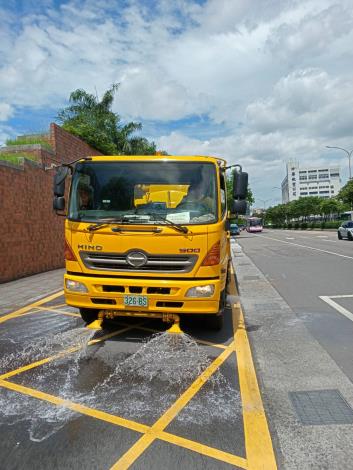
pixel 25 309
pixel 259 451
pixel 63 312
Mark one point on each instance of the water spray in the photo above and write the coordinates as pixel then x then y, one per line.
pixel 110 314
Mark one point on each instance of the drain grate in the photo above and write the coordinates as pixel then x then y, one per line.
pixel 321 407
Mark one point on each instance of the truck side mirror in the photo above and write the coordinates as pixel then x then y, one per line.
pixel 239 206
pixel 240 184
pixel 59 181
pixel 59 203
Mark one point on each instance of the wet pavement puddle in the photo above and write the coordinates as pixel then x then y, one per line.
pixel 119 376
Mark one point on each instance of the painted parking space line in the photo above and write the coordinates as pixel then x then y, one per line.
pixel 21 311
pixel 258 443
pixel 157 433
pixel 343 311
pixel 145 441
pixel 128 424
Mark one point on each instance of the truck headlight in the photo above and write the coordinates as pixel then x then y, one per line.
pixel 75 286
pixel 201 291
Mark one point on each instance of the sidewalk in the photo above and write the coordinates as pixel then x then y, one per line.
pixel 16 294
pixel 289 360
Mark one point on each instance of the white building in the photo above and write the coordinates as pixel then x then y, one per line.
pixel 321 181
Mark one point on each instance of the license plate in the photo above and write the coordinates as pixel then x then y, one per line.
pixel 136 300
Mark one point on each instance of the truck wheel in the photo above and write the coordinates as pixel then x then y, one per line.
pixel 339 235
pixel 89 314
pixel 215 322
pixel 350 236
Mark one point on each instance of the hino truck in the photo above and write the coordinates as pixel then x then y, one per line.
pixel 147 235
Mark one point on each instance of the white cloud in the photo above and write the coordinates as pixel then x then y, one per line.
pixel 313 34
pixel 276 75
pixel 306 102
pixel 6 111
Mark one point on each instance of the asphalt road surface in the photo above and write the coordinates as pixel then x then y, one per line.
pixel 307 269
pixel 126 397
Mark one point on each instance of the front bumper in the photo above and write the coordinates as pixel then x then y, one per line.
pixel 164 296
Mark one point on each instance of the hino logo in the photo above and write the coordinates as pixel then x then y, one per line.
pixel 90 247
pixel 136 259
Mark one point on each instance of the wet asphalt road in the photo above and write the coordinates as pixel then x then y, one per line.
pixel 304 266
pixel 117 391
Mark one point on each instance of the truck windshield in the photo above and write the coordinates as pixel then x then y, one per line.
pixel 182 192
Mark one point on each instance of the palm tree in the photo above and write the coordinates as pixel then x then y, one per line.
pixel 95 122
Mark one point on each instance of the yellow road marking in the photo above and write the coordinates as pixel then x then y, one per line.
pixel 203 449
pixel 258 443
pixel 126 423
pixel 63 312
pixel 257 438
pixel 145 441
pixel 61 354
pixel 25 309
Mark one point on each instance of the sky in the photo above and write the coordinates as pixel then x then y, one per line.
pixel 257 82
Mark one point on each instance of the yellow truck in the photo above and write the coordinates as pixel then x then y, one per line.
pixel 147 235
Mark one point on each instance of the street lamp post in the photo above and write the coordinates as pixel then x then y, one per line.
pixel 264 201
pixel 349 155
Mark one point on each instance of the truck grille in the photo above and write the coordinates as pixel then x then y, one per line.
pixel 154 263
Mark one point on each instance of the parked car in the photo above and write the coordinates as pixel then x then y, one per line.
pixel 234 229
pixel 345 230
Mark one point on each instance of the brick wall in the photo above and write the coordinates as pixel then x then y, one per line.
pixel 68 147
pixel 31 234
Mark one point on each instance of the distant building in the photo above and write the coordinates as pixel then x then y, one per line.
pixel 258 210
pixel 323 181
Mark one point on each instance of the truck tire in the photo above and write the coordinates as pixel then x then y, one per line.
pixel 215 322
pixel 89 314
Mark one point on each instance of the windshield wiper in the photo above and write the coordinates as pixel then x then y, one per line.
pixel 159 218
pixel 104 222
pixel 127 218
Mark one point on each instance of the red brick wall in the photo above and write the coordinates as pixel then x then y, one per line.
pixel 31 234
pixel 68 147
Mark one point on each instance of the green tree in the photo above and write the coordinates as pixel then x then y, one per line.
pixel 95 122
pixel 277 215
pixel 346 193
pixel 331 206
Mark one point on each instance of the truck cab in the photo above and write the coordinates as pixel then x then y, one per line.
pixel 147 234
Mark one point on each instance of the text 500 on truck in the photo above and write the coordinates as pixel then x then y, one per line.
pixel 148 235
